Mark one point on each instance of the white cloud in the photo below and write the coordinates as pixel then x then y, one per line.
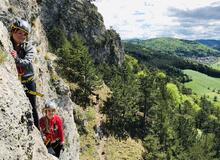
pixel 148 18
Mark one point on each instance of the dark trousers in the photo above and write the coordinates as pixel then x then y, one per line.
pixel 31 85
pixel 56 147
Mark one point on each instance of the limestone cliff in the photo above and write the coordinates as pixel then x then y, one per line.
pixel 81 16
pixel 19 139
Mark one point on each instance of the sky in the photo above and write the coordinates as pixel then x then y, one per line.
pixel 144 19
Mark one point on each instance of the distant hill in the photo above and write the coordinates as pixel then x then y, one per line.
pixel 165 54
pixel 175 46
pixel 210 42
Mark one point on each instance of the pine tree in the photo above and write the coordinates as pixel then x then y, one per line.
pixel 153 148
pixel 122 106
pixel 78 67
pixel 147 97
pixel 57 39
pixel 203 148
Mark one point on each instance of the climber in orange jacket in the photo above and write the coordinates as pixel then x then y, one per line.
pixel 51 129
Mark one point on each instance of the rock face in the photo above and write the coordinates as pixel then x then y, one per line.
pixel 81 16
pixel 19 139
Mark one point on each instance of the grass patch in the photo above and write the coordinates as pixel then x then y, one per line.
pixel 216 65
pixel 123 150
pixel 2 56
pixel 49 56
pixel 202 84
pixel 88 141
pixel 103 92
pixel 114 149
pixel 54 77
pixel 90 114
pixel 72 86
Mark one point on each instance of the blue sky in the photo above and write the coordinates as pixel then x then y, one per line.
pixel 187 19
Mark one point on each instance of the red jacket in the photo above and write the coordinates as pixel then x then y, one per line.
pixel 55 128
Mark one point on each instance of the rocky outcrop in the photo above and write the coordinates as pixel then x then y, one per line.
pixel 81 16
pixel 65 108
pixel 19 139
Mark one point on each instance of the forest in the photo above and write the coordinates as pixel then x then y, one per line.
pixel 147 102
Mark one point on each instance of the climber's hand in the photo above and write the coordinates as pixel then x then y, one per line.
pixel 14 54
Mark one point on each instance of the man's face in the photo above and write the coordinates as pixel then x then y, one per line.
pixel 19 36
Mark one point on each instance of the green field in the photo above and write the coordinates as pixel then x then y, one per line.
pixel 216 65
pixel 202 84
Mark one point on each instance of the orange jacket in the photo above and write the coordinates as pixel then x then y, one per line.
pixel 55 128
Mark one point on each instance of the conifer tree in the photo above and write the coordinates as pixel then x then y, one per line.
pixel 122 106
pixel 147 97
pixel 79 68
pixel 203 148
pixel 57 39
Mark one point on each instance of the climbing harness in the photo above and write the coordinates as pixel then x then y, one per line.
pixel 33 92
pixel 46 143
pixel 26 89
pixel 27 80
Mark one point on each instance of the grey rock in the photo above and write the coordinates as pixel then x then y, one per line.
pixel 19 139
pixel 81 16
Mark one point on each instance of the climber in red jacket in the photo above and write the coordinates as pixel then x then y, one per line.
pixel 51 129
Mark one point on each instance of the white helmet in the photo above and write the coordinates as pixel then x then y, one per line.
pixel 22 25
pixel 50 105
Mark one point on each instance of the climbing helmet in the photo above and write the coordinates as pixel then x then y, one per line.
pixel 22 25
pixel 50 105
